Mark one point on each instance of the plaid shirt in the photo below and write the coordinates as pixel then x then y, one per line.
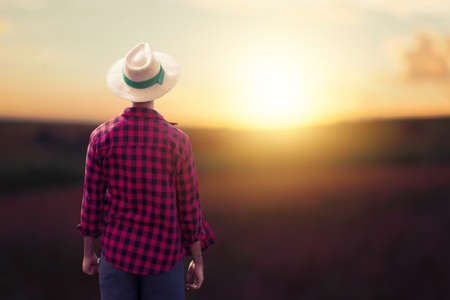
pixel 140 193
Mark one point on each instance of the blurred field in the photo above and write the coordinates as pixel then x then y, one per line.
pixel 347 211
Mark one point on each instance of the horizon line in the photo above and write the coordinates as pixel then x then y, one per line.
pixel 76 121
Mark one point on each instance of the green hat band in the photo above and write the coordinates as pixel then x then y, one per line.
pixel 158 78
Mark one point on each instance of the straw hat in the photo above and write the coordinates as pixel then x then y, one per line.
pixel 143 74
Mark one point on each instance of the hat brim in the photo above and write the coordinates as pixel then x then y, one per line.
pixel 119 87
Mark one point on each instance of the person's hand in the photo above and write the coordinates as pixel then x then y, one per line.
pixel 90 264
pixel 195 271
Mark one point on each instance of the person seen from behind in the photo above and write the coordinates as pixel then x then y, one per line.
pixel 140 194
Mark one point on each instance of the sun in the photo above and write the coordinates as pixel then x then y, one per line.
pixel 276 96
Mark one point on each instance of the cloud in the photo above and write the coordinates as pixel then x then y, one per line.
pixel 426 57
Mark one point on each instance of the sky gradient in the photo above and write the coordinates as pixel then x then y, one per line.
pixel 246 64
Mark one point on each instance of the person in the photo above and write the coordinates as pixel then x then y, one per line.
pixel 140 192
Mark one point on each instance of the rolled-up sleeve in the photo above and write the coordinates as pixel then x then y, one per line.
pixel 187 191
pixel 94 190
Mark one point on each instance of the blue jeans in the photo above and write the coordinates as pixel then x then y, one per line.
pixel 116 284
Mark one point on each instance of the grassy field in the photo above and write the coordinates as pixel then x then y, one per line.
pixel 347 211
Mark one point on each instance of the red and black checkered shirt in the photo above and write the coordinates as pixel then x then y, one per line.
pixel 140 193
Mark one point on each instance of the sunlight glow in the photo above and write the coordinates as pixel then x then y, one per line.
pixel 276 96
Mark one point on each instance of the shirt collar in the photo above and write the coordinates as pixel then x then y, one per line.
pixel 144 112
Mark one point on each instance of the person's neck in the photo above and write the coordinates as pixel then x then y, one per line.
pixel 147 104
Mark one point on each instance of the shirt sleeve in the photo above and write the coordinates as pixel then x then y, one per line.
pixel 187 191
pixel 94 190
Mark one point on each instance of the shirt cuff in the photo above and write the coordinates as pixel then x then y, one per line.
pixel 206 237
pixel 83 231
pixel 192 239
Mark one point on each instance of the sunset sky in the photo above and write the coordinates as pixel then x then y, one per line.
pixel 265 63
